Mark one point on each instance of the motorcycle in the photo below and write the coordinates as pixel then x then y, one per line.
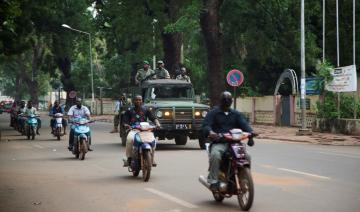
pixel 31 125
pixel 58 125
pixel 81 137
pixel 143 150
pixel 235 175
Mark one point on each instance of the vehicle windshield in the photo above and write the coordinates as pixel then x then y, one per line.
pixel 171 92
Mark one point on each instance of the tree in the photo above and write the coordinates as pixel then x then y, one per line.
pixel 210 25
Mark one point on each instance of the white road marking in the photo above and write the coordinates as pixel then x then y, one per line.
pixel 171 198
pixel 38 146
pixel 304 173
pixel 339 154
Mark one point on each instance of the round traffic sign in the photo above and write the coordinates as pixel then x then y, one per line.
pixel 235 78
pixel 72 94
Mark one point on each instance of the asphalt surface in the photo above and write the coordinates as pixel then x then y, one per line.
pixel 42 175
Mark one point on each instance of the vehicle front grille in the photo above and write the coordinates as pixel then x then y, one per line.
pixel 183 114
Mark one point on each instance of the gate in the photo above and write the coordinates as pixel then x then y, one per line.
pixel 285 110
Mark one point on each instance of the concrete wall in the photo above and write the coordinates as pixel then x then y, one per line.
pixel 345 126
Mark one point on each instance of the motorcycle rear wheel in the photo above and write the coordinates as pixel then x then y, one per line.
pixel 146 169
pixel 246 192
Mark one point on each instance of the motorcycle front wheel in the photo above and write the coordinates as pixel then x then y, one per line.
pixel 83 148
pixel 57 133
pixel 146 166
pixel 246 191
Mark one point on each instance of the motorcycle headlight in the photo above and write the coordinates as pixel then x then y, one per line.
pixel 204 113
pixel 159 114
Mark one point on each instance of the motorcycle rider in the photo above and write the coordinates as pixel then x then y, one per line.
pixel 221 120
pixel 20 119
pixel 54 110
pixel 30 110
pixel 133 116
pixel 77 111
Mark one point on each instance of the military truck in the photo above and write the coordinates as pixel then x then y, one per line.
pixel 173 104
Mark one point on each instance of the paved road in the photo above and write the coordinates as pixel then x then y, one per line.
pixel 42 175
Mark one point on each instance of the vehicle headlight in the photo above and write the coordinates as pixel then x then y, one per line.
pixel 159 114
pixel 204 113
pixel 167 113
pixel 197 113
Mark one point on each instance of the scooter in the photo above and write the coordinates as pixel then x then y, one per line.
pixel 235 174
pixel 143 150
pixel 31 125
pixel 58 125
pixel 82 138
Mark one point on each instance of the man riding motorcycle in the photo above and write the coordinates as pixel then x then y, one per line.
pixel 221 120
pixel 30 110
pixel 77 111
pixel 54 110
pixel 133 116
pixel 20 119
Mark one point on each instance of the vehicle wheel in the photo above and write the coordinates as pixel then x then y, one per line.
pixel 246 193
pixel 136 170
pixel 180 139
pixel 28 132
pixel 83 149
pixel 76 150
pixel 218 197
pixel 33 133
pixel 58 131
pixel 146 169
pixel 202 142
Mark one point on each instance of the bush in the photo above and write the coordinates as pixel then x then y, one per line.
pixel 328 108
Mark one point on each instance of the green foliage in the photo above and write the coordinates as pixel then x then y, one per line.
pixel 323 72
pixel 328 109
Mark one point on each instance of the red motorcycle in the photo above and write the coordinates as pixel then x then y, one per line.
pixel 235 174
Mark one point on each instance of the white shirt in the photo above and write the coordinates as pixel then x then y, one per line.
pixel 117 106
pixel 83 112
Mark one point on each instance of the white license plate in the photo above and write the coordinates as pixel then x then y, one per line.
pixel 182 126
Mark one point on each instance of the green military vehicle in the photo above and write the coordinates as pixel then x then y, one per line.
pixel 173 103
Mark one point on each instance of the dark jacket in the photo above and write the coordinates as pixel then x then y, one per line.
pixel 217 121
pixel 132 117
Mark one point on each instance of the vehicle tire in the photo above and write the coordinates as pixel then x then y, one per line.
pixel 180 139
pixel 137 170
pixel 218 197
pixel 83 148
pixel 246 194
pixel 58 131
pixel 123 140
pixel 146 169
pixel 76 150
pixel 33 133
pixel 28 132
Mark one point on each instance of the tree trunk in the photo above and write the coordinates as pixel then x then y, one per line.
pixel 172 41
pixel 210 25
pixel 172 50
pixel 64 64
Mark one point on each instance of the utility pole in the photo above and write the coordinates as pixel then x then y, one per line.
pixel 101 100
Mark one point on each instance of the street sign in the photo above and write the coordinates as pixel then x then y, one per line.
pixel 72 94
pixel 235 78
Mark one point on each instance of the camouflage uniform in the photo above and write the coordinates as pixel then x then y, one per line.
pixel 162 73
pixel 142 74
pixel 183 77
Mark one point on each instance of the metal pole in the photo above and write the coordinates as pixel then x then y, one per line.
pixel 234 98
pixel 303 90
pixel 337 52
pixel 323 59
pixel 101 101
pixel 92 73
pixel 354 61
pixel 154 55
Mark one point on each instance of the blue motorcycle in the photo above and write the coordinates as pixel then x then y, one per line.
pixel 143 150
pixel 82 137
pixel 31 125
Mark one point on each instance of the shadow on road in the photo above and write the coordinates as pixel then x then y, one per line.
pixel 225 205
pixel 174 147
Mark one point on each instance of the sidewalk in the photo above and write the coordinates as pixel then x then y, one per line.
pixel 286 134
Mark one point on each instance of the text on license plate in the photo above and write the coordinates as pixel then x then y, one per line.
pixel 182 126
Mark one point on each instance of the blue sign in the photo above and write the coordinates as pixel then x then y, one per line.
pixel 235 78
pixel 312 85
